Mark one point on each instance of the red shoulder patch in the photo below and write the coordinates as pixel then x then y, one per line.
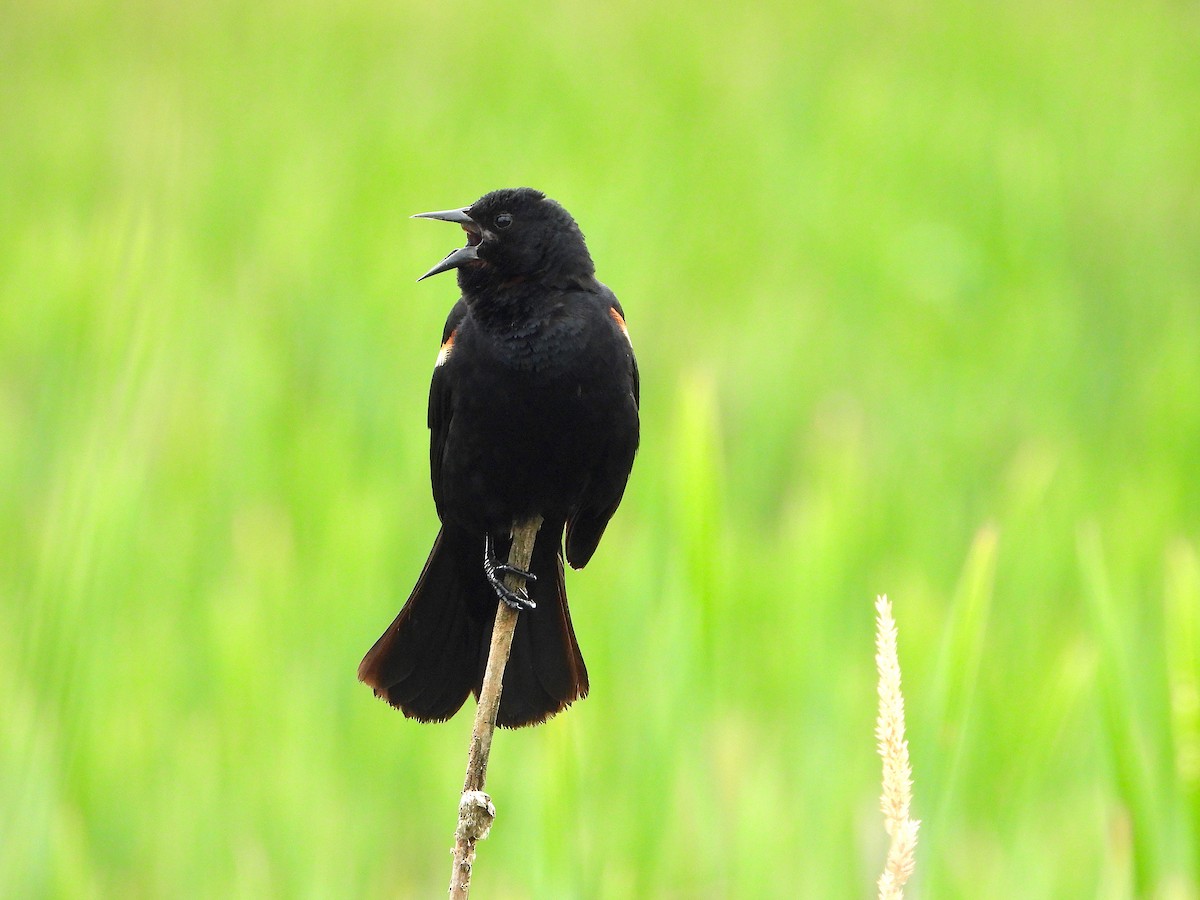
pixel 619 319
pixel 444 353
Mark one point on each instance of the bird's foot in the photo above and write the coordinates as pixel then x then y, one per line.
pixel 492 570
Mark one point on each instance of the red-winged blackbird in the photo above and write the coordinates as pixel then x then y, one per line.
pixel 533 409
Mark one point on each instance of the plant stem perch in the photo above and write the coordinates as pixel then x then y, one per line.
pixel 475 809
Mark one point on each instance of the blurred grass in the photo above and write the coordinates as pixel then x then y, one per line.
pixel 915 294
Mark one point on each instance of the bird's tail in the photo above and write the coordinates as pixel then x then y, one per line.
pixel 435 652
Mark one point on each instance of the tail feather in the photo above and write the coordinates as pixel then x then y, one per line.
pixel 435 653
pixel 442 688
pixel 424 663
pixel 523 701
pixel 545 671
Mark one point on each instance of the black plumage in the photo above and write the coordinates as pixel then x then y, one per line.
pixel 533 409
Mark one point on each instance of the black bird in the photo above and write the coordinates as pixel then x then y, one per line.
pixel 533 409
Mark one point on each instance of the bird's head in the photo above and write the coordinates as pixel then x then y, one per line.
pixel 514 234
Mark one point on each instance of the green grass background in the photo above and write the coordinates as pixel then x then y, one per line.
pixel 915 289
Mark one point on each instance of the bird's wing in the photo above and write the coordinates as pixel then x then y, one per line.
pixel 441 400
pixel 607 483
pixel 619 318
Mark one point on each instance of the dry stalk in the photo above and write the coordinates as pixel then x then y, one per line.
pixel 893 748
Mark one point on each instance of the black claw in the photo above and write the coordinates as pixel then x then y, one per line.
pixel 518 600
pixel 506 569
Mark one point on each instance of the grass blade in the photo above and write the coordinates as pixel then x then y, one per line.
pixel 1182 631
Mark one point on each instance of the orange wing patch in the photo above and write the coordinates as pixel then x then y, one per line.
pixel 444 353
pixel 617 317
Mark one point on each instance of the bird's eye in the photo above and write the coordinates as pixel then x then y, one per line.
pixel 503 220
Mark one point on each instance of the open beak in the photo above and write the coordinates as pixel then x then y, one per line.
pixel 462 255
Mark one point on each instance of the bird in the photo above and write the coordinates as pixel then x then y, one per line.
pixel 533 410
